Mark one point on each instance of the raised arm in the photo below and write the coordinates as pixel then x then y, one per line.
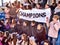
pixel 47 22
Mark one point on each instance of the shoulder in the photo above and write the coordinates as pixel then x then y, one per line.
pixel 58 23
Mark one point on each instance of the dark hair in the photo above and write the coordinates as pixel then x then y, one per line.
pixel 2 19
pixel 14 39
pixel 47 42
pixel 7 6
pixel 18 2
pixel 7 33
pixel 33 22
pixel 26 38
pixel 18 5
pixel 13 4
pixel 29 7
pixel 39 5
pixel 20 20
pixel 26 22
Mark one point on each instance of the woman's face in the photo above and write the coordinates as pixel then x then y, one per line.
pixel 54 19
pixel 24 24
pixel 24 37
pixel 37 6
pixel 5 34
pixel 7 20
pixel 46 6
pixel 11 36
pixel 32 24
pixel 13 21
pixel 2 22
pixel 21 6
pixel 39 26
pixel 45 43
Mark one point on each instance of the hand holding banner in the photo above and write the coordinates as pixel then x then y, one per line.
pixel 38 15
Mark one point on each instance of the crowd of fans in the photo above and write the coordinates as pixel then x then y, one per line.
pixel 15 31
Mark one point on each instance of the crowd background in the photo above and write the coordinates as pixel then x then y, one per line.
pixel 15 31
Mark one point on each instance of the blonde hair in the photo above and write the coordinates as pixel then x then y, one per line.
pixel 56 17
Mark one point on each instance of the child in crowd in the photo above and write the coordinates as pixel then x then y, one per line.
pixel 53 29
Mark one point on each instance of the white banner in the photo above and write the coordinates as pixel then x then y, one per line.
pixel 38 15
